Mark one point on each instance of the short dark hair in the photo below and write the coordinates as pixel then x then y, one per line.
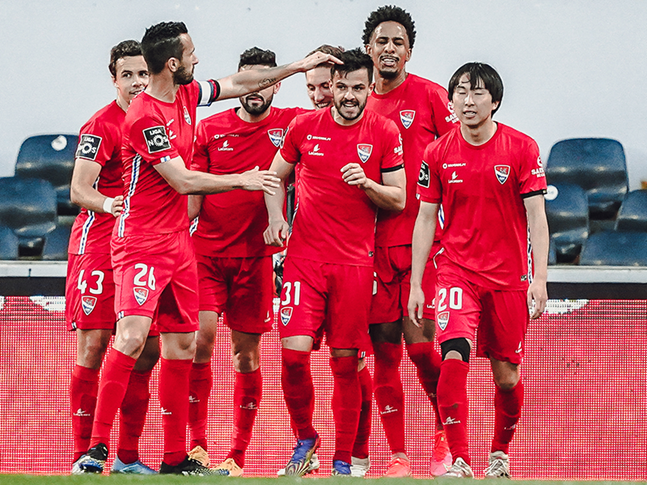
pixel 479 72
pixel 257 57
pixel 389 13
pixel 161 42
pixel 330 50
pixel 353 60
pixel 126 48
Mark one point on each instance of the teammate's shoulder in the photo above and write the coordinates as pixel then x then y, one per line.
pixel 218 118
pixel 109 115
pixel 515 135
pixel 425 83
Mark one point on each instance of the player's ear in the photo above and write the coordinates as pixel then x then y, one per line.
pixel 277 86
pixel 408 57
pixel 114 81
pixel 371 88
pixel 173 64
pixel 368 49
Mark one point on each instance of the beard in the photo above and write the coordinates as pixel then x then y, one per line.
pixel 183 76
pixel 349 117
pixel 254 109
pixel 389 74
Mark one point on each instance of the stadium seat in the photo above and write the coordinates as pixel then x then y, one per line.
pixel 597 165
pixel 8 244
pixel 55 248
pixel 632 215
pixel 615 248
pixel 552 252
pixel 568 220
pixel 51 158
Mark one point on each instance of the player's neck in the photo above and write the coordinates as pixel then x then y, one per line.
pixel 384 85
pixel 161 86
pixel 249 118
pixel 340 120
pixel 479 134
pixel 122 103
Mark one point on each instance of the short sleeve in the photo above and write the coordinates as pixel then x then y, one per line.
pixel 443 116
pixel 392 158
pixel 429 186
pixel 290 149
pixel 532 178
pixel 98 142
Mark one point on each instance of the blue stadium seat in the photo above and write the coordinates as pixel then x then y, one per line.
pixel 51 158
pixel 615 248
pixel 8 244
pixel 552 252
pixel 632 215
pixel 568 220
pixel 597 165
pixel 56 242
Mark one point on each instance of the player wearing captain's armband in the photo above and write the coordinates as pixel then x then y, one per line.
pixel 350 163
pixel 490 181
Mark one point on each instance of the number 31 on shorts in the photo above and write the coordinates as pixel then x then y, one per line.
pixel 287 290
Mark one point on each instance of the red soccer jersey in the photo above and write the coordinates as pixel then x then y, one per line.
pixel 335 222
pixel 482 189
pixel 100 142
pixel 420 109
pixel 155 132
pixel 231 224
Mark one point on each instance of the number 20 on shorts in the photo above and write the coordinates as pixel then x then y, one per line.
pixel 455 299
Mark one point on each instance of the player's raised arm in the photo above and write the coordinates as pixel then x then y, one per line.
pixel 537 293
pixel 423 237
pixel 277 229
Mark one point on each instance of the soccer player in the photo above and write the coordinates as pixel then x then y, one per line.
pixel 350 164
pixel 490 181
pixel 152 254
pixel 420 110
pixel 90 290
pixel 234 263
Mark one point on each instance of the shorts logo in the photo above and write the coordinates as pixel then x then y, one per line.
pixel 187 118
pixel 423 175
pixel 502 172
pixel 141 295
pixel 88 303
pixel 443 320
pixel 156 139
pixel 364 151
pixel 276 136
pixel 88 147
pixel 406 117
pixel 286 315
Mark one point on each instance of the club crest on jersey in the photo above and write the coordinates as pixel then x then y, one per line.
pixel 141 295
pixel 276 136
pixel 187 118
pixel 286 315
pixel 406 117
pixel 88 303
pixel 88 147
pixel 502 172
pixel 443 320
pixel 364 151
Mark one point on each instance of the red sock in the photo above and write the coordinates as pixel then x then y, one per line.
pixel 84 386
pixel 427 361
pixel 346 404
pixel 248 389
pixel 112 388
pixel 507 411
pixel 454 407
pixel 133 415
pixel 298 391
pixel 200 384
pixel 174 401
pixel 389 395
pixel 360 448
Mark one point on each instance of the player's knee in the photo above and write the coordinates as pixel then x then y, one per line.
pixel 245 362
pixel 460 345
pixel 149 356
pixel 506 380
pixel 390 333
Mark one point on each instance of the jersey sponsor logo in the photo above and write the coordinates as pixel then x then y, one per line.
pixel 276 136
pixel 364 151
pixel 455 179
pixel 88 147
pixel 225 147
pixel 406 117
pixel 452 118
pixel 187 118
pixel 156 139
pixel 538 172
pixel 315 137
pixel 315 151
pixel 88 303
pixel 452 165
pixel 286 315
pixel 443 320
pixel 502 173
pixel 423 175
pixel 141 295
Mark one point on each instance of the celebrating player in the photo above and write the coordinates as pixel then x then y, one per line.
pixel 489 180
pixel 152 254
pixel 350 163
pixel 234 263
pixel 90 290
pixel 420 110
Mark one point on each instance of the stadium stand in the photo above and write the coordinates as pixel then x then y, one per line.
pixel 597 165
pixel 568 220
pixel 615 248
pixel 552 252
pixel 8 244
pixel 632 215
pixel 50 157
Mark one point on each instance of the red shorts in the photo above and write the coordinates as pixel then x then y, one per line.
pixel 335 296
pixel 500 316
pixel 156 276
pixel 392 285
pixel 89 292
pixel 242 288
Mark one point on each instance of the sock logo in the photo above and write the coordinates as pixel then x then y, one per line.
pixel 193 399
pixel 513 427
pixel 388 410
pixel 451 420
pixel 81 413
pixel 250 406
pixel 166 412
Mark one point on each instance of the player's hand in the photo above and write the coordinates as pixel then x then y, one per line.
pixel 117 205
pixel 276 233
pixel 537 298
pixel 416 305
pixel 313 60
pixel 256 179
pixel 353 174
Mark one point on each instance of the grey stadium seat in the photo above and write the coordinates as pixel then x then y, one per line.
pixel 8 244
pixel 56 242
pixel 615 248
pixel 632 215
pixel 568 220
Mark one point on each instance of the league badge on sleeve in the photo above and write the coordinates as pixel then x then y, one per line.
pixel 141 295
pixel 88 303
pixel 276 136
pixel 88 147
pixel 364 151
pixel 423 175
pixel 286 315
pixel 406 117
pixel 156 139
pixel 502 172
